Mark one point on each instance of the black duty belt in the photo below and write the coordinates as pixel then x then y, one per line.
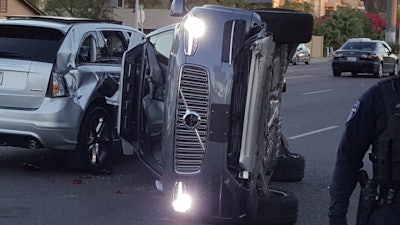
pixel 388 196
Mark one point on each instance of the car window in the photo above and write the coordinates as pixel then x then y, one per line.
pixel 163 42
pixel 115 44
pixel 33 43
pixel 88 50
pixel 366 46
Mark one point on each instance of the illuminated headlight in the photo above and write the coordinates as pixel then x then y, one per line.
pixel 181 201
pixel 301 54
pixel 194 29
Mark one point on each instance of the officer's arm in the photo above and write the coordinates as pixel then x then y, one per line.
pixel 357 138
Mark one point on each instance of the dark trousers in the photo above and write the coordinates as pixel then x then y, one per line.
pixel 386 215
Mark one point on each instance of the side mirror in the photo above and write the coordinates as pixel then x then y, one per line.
pixel 178 8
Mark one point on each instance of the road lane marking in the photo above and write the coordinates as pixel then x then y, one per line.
pixel 305 76
pixel 317 92
pixel 313 132
pixel 302 69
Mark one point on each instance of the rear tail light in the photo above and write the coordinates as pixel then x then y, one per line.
pixel 368 56
pixel 339 55
pixel 58 86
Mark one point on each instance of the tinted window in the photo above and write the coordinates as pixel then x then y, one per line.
pixel 366 46
pixel 34 43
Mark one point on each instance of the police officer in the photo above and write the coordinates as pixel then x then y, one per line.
pixel 373 122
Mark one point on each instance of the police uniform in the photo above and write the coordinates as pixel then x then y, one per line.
pixel 367 122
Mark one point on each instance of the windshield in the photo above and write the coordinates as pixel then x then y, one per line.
pixel 33 43
pixel 365 46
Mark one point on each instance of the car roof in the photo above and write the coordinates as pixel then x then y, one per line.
pixel 359 39
pixel 59 23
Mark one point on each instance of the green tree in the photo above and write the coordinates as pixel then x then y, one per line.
pixel 35 2
pixel 343 24
pixel 94 9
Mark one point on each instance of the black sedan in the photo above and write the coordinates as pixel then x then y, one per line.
pixel 365 56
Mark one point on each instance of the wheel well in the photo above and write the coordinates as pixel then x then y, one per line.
pixel 102 102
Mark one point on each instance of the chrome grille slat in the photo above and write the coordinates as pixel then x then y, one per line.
pixel 189 152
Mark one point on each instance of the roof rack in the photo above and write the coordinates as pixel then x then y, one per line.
pixel 67 20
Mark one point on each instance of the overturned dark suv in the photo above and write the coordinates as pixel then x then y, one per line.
pixel 205 118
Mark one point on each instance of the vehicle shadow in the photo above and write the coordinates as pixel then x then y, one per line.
pixel 13 159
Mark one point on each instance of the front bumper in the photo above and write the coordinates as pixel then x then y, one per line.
pixel 360 66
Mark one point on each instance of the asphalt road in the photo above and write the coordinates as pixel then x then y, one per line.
pixel 314 111
pixel 36 187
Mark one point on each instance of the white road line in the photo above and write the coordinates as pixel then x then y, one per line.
pixel 317 92
pixel 295 70
pixel 305 76
pixel 313 132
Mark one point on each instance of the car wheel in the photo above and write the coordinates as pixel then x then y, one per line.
pixel 295 61
pixel 290 168
pixel 379 73
pixel 279 208
pixel 395 69
pixel 288 26
pixel 95 141
pixel 336 73
pixel 307 62
pixel 354 73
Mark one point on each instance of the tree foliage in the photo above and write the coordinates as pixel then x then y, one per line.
pixel 94 9
pixel 343 24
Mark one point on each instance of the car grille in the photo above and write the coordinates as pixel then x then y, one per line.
pixel 189 142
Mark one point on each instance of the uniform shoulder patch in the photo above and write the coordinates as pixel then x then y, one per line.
pixel 354 111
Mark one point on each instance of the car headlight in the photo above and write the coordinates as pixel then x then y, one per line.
pixel 181 200
pixel 194 29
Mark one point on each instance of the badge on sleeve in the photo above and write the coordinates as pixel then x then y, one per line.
pixel 353 111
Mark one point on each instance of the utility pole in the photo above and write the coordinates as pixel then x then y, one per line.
pixel 390 35
pixel 137 14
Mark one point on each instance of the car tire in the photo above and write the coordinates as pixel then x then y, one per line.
pixel 288 26
pixel 290 168
pixel 295 60
pixel 307 62
pixel 395 69
pixel 279 208
pixel 336 73
pixel 95 141
pixel 379 73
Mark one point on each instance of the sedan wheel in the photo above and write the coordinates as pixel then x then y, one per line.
pixel 94 141
pixel 379 73
pixel 336 73
pixel 295 61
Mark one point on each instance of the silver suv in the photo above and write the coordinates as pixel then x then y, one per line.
pixel 57 76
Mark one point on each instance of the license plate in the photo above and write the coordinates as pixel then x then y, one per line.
pixel 351 59
pixel 1 78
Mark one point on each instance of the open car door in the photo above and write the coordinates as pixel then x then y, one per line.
pixel 141 106
pixel 129 108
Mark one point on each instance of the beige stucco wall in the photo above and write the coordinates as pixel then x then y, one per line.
pixel 316 46
pixel 16 7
